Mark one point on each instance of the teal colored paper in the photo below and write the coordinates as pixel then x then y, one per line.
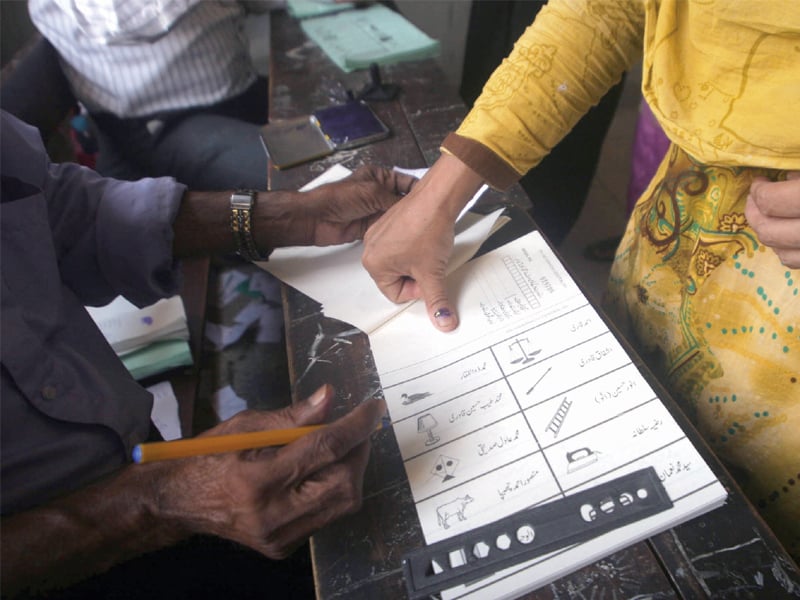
pixel 303 9
pixel 157 357
pixel 354 39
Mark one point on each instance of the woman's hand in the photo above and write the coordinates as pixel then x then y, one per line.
pixel 406 252
pixel 773 211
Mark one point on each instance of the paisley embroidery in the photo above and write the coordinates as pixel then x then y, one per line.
pixel 717 316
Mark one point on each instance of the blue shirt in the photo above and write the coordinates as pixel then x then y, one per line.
pixel 69 410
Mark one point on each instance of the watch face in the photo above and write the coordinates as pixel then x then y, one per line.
pixel 243 199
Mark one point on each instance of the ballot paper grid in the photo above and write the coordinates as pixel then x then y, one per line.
pixel 532 398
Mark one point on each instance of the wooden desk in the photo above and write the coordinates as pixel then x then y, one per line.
pixel 728 553
pixel 194 294
pixel 184 380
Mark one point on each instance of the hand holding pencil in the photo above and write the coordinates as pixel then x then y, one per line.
pixel 271 499
pixel 217 444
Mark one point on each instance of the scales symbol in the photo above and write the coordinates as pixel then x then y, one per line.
pixel 526 356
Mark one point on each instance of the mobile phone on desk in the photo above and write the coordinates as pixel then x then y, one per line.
pixel 350 125
pixel 338 127
pixel 295 141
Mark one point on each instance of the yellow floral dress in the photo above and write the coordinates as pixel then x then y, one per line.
pixel 712 309
pixel 716 315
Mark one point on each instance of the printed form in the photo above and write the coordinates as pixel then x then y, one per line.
pixel 530 399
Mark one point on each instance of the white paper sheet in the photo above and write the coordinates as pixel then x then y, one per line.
pixel 226 403
pixel 165 411
pixel 316 271
pixel 128 328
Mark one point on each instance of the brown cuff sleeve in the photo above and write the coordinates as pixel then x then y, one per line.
pixel 494 170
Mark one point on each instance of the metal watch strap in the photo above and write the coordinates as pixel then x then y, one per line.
pixel 243 203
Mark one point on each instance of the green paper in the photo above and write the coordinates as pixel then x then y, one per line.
pixel 157 357
pixel 356 38
pixel 303 9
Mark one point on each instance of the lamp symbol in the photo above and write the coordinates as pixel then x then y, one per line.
pixel 424 425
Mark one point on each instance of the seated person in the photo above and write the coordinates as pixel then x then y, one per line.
pixel 72 503
pixel 170 86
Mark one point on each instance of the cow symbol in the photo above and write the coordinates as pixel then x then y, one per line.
pixel 455 507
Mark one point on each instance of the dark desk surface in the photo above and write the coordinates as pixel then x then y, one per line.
pixel 727 553
pixel 184 380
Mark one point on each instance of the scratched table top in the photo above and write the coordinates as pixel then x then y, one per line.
pixel 727 553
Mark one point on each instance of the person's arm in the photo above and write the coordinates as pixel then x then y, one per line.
pixel 334 213
pixel 565 62
pixel 121 237
pixel 270 500
pixel 773 211
pixel 407 250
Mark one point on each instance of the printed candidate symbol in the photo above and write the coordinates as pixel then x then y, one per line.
pixel 530 389
pixel 580 458
pixel 411 398
pixel 425 424
pixel 558 419
pixel 445 467
pixel 521 345
pixel 454 508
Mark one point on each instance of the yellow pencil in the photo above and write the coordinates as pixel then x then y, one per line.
pixel 215 444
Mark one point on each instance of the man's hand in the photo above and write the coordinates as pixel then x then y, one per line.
pixel 334 213
pixel 773 211
pixel 406 252
pixel 272 499
pixel 269 499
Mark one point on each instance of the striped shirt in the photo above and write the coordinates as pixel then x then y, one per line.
pixel 135 58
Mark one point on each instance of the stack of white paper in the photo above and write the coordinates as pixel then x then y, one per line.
pixel 531 399
pixel 149 340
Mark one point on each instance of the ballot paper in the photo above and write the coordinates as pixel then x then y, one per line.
pixel 531 399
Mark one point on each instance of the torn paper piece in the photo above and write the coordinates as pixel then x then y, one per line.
pixel 165 411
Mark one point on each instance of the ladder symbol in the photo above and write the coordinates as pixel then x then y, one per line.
pixel 558 419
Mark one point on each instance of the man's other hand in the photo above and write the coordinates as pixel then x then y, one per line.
pixel 273 499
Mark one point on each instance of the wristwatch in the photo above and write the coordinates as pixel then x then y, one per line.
pixel 243 203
